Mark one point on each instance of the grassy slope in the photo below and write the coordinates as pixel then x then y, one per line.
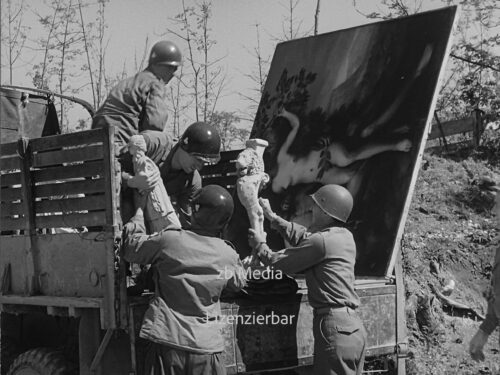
pixel 450 234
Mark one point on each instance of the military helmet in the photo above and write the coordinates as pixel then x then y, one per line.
pixel 165 53
pixel 212 207
pixel 335 200
pixel 202 140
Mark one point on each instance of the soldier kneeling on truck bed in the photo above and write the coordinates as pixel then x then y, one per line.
pixel 178 166
pixel 182 321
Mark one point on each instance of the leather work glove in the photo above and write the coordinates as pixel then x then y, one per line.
pixel 135 225
pixel 254 240
pixel 476 345
pixel 144 181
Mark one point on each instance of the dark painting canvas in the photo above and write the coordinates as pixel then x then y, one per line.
pixel 351 108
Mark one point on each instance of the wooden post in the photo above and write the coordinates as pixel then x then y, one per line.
pixel 441 130
pixel 478 127
pixel 89 338
pixel 24 151
pixel 112 295
pixel 110 177
pixel 401 330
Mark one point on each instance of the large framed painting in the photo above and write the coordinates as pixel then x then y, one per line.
pixel 353 107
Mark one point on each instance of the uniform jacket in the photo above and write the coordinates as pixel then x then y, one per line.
pixel 190 272
pixel 135 104
pixel 327 259
pixel 493 314
pixel 181 186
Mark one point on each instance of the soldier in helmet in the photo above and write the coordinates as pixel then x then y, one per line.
pixel 492 319
pixel 326 253
pixel 178 166
pixel 182 323
pixel 178 163
pixel 138 103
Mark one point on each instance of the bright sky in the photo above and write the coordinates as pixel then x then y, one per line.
pixel 233 27
pixel 232 24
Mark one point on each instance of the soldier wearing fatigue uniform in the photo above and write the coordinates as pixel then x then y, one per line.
pixel 179 165
pixel 492 320
pixel 326 253
pixel 139 103
pixel 182 322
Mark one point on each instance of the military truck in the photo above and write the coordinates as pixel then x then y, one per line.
pixel 63 294
pixel 63 299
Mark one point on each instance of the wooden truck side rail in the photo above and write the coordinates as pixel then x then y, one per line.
pixel 59 223
pixel 52 184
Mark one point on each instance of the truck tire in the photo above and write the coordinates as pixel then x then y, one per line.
pixel 40 361
pixel 9 351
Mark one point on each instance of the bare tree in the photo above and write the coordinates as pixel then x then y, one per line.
pixel 231 135
pixel 472 76
pixel 471 80
pixel 206 77
pixel 316 17
pixel 179 106
pixel 15 37
pixel 389 9
pixel 49 23
pixel 140 64
pixel 60 47
pixel 87 54
pixel 94 45
pixel 292 27
pixel 258 76
pixel 100 53
pixel 64 43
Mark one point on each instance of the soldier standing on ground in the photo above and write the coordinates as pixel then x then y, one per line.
pixel 326 253
pixel 492 319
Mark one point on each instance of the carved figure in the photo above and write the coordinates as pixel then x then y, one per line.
pixel 158 210
pixel 251 180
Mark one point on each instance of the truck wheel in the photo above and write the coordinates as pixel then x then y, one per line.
pixel 40 361
pixel 9 352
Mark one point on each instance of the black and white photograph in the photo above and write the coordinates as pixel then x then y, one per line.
pixel 290 187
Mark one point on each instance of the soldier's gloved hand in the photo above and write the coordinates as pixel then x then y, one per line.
pixel 143 181
pixel 255 238
pixel 476 345
pixel 254 259
pixel 266 207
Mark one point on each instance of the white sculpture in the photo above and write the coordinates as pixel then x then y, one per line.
pixel 158 210
pixel 251 180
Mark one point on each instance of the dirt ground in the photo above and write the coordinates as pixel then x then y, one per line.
pixel 451 234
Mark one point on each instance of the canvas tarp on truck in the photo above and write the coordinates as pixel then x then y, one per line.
pixel 24 114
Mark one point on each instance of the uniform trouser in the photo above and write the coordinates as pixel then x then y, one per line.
pixel 164 360
pixel 339 342
pixel 128 201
